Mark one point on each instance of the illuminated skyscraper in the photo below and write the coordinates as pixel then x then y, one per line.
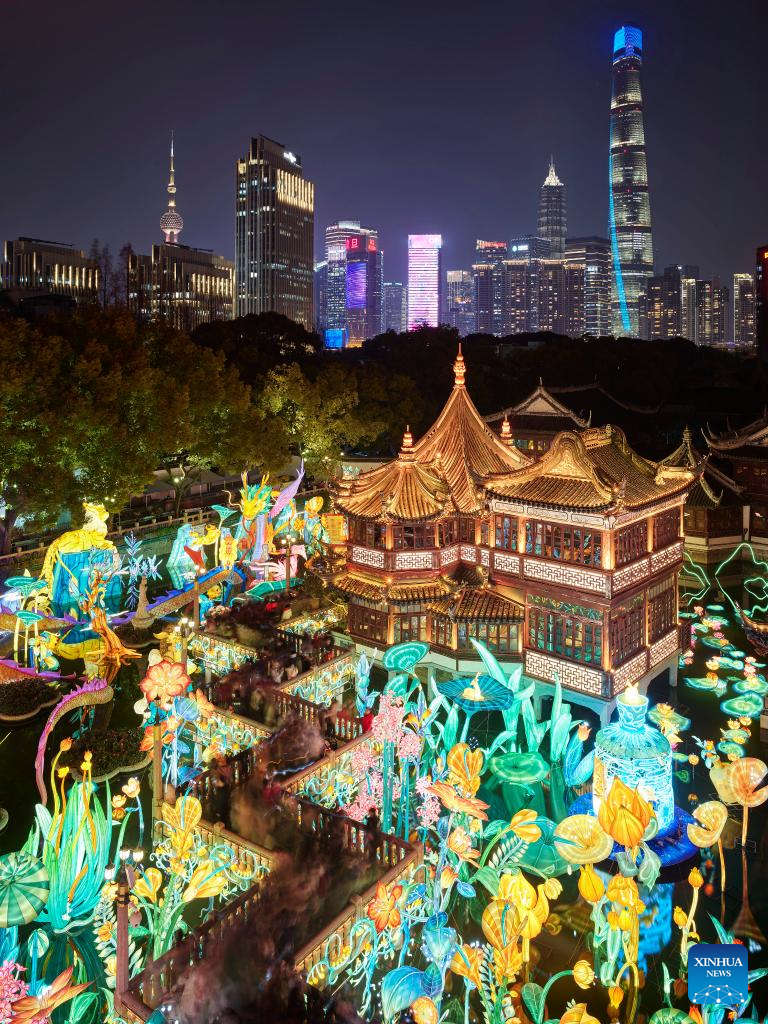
pixel 489 257
pixel 761 301
pixel 395 317
pixel 424 279
pixel 336 238
pixel 594 255
pixel 743 310
pixel 363 287
pixel 629 205
pixel 274 227
pixel 552 219
pixel 321 295
pixel 659 306
pixel 559 303
pixel 711 321
pixel 460 301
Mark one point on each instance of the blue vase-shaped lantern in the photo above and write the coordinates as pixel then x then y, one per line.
pixel 638 754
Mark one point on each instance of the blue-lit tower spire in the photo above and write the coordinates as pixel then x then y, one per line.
pixel 629 207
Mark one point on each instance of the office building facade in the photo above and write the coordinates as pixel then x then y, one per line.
pixel 761 301
pixel 363 288
pixel 32 268
pixel 460 301
pixel 594 255
pixel 487 286
pixel 529 247
pixel 424 280
pixel 560 300
pixel 395 303
pixel 629 213
pixel 274 227
pixel 712 321
pixel 320 295
pixel 181 286
pixel 743 310
pixel 337 237
pixel 552 213
pixel 660 307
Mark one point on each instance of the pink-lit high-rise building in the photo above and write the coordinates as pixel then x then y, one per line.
pixel 424 277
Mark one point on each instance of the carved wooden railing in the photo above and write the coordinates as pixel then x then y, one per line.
pixel 313 952
pixel 296 783
pixel 286 702
pixel 160 977
pixel 245 853
pixel 244 723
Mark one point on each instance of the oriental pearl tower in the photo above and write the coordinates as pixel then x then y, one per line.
pixel 171 222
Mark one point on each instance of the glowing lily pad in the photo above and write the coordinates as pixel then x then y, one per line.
pixel 735 735
pixel 480 693
pixel 28 617
pixel 520 768
pixel 754 684
pixel 26 584
pixel 404 657
pixel 703 683
pixel 715 608
pixel 687 615
pixel 720 644
pixel 543 857
pixel 728 747
pixel 748 704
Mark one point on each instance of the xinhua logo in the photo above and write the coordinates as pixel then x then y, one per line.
pixel 717 975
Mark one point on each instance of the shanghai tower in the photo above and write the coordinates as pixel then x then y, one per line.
pixel 629 207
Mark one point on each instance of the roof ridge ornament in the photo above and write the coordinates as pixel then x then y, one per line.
pixel 459 370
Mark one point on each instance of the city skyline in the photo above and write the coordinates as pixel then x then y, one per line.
pixel 712 217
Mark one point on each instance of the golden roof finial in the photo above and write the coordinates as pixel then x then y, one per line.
pixel 506 430
pixel 459 369
pixel 407 444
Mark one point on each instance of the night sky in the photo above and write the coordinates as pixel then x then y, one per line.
pixel 410 116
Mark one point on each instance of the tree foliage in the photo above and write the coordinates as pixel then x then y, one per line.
pixel 91 406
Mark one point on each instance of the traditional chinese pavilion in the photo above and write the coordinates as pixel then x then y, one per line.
pixel 533 424
pixel 597 548
pixel 569 562
pixel 714 515
pixel 417 530
pixel 746 453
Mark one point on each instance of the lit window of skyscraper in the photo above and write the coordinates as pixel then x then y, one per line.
pixel 629 205
pixel 424 277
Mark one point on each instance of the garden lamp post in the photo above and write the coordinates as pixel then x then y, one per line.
pixel 124 875
pixel 289 539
